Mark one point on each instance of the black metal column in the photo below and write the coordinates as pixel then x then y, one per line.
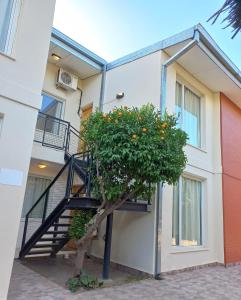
pixel 108 237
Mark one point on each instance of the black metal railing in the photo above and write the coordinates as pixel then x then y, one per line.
pixel 61 187
pixel 57 133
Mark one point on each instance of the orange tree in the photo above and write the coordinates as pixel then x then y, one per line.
pixel 132 150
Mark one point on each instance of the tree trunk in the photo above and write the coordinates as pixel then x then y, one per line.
pixel 84 242
pixel 80 256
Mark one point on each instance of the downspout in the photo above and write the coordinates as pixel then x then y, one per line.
pixel 102 88
pixel 158 211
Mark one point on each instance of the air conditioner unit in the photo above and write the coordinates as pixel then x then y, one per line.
pixel 66 80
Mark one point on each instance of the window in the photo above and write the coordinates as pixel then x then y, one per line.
pixel 54 108
pixel 187 213
pixel 188 107
pixel 8 9
pixel 34 188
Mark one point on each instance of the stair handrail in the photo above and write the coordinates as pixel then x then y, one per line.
pixel 70 162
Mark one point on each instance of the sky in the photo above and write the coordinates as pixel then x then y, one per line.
pixel 114 28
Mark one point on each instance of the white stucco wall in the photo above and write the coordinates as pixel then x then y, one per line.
pixel 205 164
pixel 133 233
pixel 71 100
pixel 21 79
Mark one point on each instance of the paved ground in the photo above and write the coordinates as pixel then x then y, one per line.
pixel 208 283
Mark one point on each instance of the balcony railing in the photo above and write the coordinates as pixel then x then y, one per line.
pixel 57 133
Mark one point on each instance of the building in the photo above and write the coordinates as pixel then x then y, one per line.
pixel 198 220
pixel 23 58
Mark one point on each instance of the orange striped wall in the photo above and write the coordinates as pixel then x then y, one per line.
pixel 231 178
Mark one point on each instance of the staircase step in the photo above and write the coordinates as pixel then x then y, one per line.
pixel 56 232
pixel 45 245
pixel 53 239
pixel 40 252
pixel 61 225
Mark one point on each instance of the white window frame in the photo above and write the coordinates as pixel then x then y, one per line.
pixel 202 246
pixel 12 27
pixel 184 84
pixel 58 99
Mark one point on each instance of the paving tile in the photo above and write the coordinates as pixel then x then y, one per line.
pixel 212 283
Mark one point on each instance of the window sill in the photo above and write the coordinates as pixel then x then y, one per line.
pixel 180 249
pixel 7 55
pixel 197 148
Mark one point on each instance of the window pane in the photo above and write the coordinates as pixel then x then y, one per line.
pixel 191 117
pixel 178 102
pixel 53 108
pixel 34 188
pixel 175 216
pixel 191 213
pixel 6 7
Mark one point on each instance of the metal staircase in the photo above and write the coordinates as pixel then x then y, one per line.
pixel 52 233
pixel 52 211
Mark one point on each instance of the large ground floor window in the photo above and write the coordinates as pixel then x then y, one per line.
pixel 34 188
pixel 187 213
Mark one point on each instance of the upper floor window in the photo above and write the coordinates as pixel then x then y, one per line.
pixel 53 108
pixel 187 213
pixel 188 107
pixel 8 12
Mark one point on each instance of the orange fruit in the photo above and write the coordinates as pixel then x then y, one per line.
pixel 134 136
pixel 144 129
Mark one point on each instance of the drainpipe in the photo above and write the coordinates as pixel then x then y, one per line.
pixel 158 211
pixel 102 88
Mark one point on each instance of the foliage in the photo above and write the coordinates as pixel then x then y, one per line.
pixel 73 284
pixel 79 223
pixel 90 281
pixel 86 281
pixel 133 149
pixel 233 17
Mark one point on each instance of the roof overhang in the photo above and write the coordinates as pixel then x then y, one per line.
pixel 74 57
pixel 208 63
pixel 205 61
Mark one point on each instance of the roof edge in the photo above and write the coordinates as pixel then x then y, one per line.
pixel 168 42
pixel 210 43
pixel 77 47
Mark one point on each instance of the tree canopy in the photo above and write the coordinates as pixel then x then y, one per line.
pixel 132 150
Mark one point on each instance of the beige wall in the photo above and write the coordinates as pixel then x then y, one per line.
pixel 204 164
pixel 91 90
pixel 133 240
pixel 133 233
pixel 71 99
pixel 21 79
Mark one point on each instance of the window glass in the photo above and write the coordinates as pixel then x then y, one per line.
pixel 191 117
pixel 188 109
pixel 34 188
pixel 6 8
pixel 178 104
pixel 187 213
pixel 53 108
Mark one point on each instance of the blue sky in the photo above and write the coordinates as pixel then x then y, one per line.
pixel 114 28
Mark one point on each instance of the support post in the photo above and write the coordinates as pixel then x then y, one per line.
pixel 108 237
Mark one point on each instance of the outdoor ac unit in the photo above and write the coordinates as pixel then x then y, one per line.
pixel 66 80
